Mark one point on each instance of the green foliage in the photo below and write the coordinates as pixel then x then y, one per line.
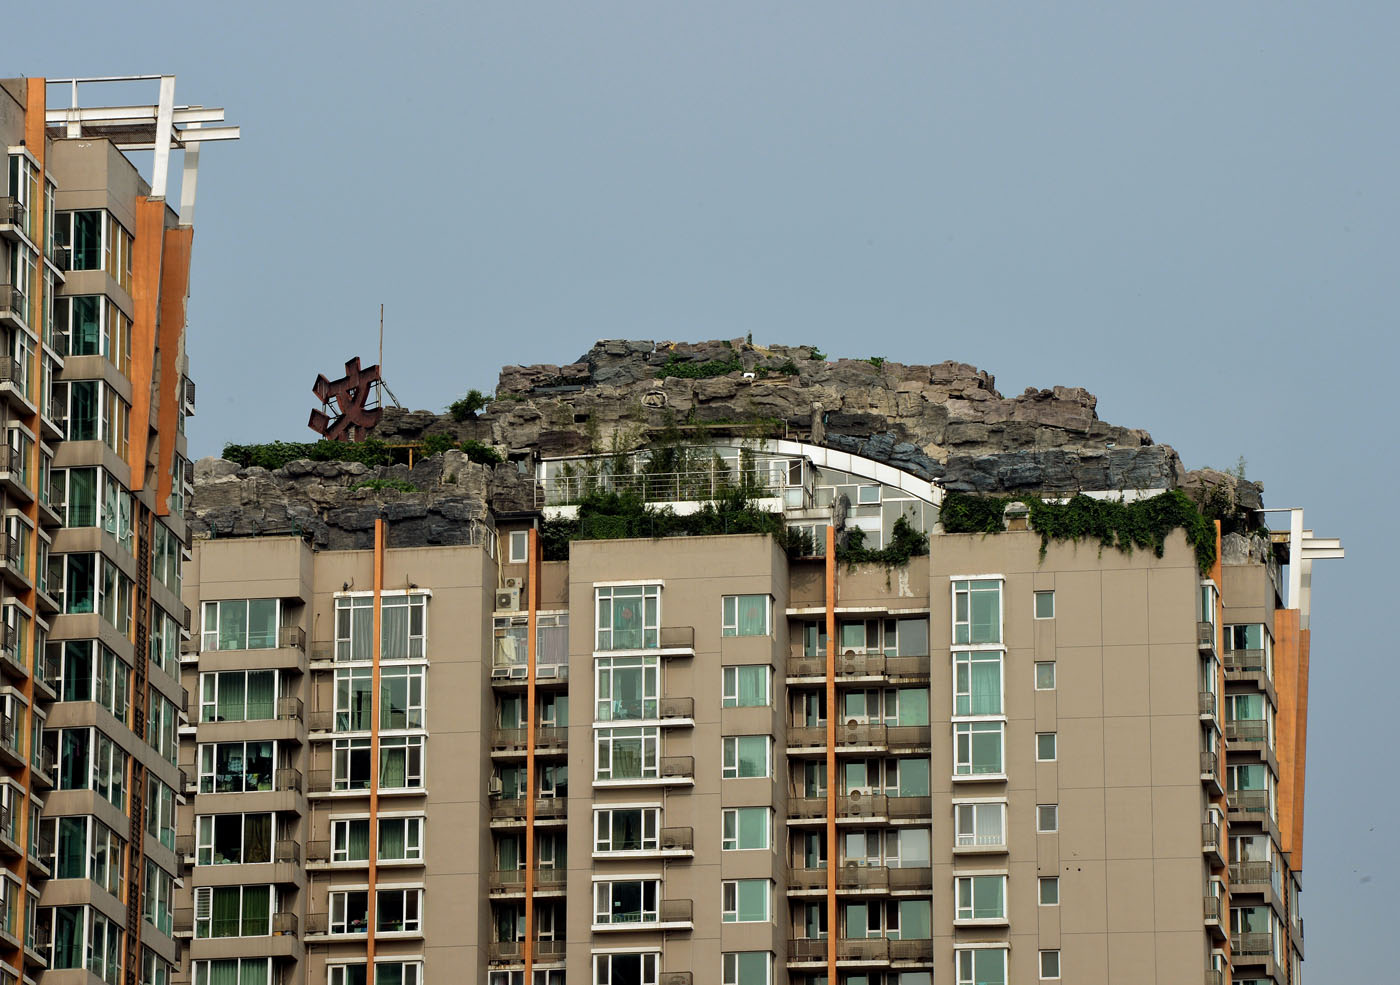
pixel 397 485
pixel 276 454
pixel 680 368
pixel 876 361
pixel 905 542
pixel 481 454
pixel 817 355
pixel 436 444
pixel 788 368
pixel 613 516
pixel 1145 523
pixel 466 407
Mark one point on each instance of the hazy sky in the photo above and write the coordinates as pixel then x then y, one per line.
pixel 1189 209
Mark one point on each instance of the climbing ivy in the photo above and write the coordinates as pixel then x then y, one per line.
pixel 684 369
pixel 613 516
pixel 1144 523
pixel 276 454
pixel 905 543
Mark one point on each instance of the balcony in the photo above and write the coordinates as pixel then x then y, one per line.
pixel 1247 877
pixel 676 711
pixel 1252 945
pixel 504 883
pixel 678 769
pixel 1248 801
pixel 41 772
pixel 510 811
pixel 286 778
pixel 1211 910
pixel 513 952
pixel 288 709
pixel 9 835
pixel 807 951
pixel 1210 843
pixel 10 660
pixel 672 914
pixel 858 667
pixel 1205 637
pixel 12 305
pixel 863 950
pixel 284 924
pixel 1207 705
pixel 513 742
pixel 680 841
pixel 11 752
pixel 1210 771
pixel 1214 977
pixel 14 216
pixel 863 807
pixel 912 951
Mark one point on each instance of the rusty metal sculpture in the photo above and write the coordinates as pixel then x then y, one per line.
pixel 350 419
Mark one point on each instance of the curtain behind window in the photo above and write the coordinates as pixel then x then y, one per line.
pixel 262 694
pixel 394 632
pixel 232 697
pixel 256 911
pixel 262 624
pixel 391 844
pixel 257 838
pixel 753 615
pixel 225 919
pixel 986 687
pixel 233 625
pixel 357 840
pixel 392 767
pixel 223 972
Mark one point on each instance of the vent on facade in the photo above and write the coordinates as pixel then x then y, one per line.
pixel 515 583
pixel 508 599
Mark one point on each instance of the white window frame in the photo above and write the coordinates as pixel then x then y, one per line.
pixel 651 625
pixel 968 975
pixel 730 757
pixel 204 904
pixel 1041 885
pixel 412 838
pixel 963 585
pixel 603 739
pixel 602 830
pixel 520 539
pixel 729 616
pixel 729 900
pixel 1041 959
pixel 340 898
pixel 412 914
pixel 729 685
pixel 602 902
pixel 649 962
pixel 729 821
pixel 340 832
pixel 1054 815
pixel 1043 593
pixel 972 839
pixel 204 837
pixel 209 624
pixel 964 914
pixel 605 667
pixel 1054 747
pixel 729 968
pixel 965 766
pixel 413 756
pixel 978 655
pixel 1053 670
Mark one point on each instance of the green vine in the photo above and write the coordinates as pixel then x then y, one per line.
pixel 614 516
pixel 276 454
pixel 905 543
pixel 686 370
pixel 1145 523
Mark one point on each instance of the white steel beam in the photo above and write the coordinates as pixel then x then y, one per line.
pixel 161 166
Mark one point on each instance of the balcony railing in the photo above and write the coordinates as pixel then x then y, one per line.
pixel 1214 977
pixel 318 851
pixel 1210 835
pixel 1211 907
pixel 803 877
pixel 9 546
pixel 676 911
pixel 1251 873
pixel 677 839
pixel 1247 800
pixel 291 637
pixel 863 877
pixel 546 808
pixel 1244 661
pixel 1207 703
pixel 1205 635
pixel 506 879
pixel 677 637
pixel 287 778
pixel 184 845
pixel 11 299
pixel 677 767
pixel 807 949
pixel 911 950
pixel 320 721
pixel 512 951
pixel 286 850
pixel 289 709
pixel 13 212
pixel 662 487
pixel 863 949
pixel 284 924
pixel 1242 944
pixel 676 708
pixel 1208 761
pixel 1247 730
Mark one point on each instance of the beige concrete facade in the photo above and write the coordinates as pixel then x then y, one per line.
pixel 1112 711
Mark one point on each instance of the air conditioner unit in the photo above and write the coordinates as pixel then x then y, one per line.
pixel 508 599
pixel 494 786
pixel 516 583
pixel 677 978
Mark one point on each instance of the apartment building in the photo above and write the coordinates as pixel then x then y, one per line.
pixel 993 763
pixel 94 273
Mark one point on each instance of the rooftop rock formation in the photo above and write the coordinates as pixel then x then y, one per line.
pixel 945 422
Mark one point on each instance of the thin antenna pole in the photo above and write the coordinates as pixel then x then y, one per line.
pixel 381 341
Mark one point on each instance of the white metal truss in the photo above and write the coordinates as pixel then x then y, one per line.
pixel 159 127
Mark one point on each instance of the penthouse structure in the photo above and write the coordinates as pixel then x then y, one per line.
pixel 521 746
pixel 94 393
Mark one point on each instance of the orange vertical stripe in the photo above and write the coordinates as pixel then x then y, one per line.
pixel 146 254
pixel 374 743
pixel 1286 679
pixel 174 286
pixel 532 600
pixel 1300 747
pixel 832 915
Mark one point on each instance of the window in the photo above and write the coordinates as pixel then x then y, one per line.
pixel 745 828
pixel 977 682
pixel 353 687
pixel 977 611
pixel 981 825
pixel 1047 818
pixel 746 968
pixel 350 764
pixel 160 811
pixel 629 829
pixel 746 755
pixel 238 696
pixel 400 762
pixel 89 760
pixel 90 671
pixel 1049 964
pixel 1045 605
pixel 400 839
pixel 626 753
pixel 519 546
pixel 232 911
pixel 745 900
pixel 232 971
pixel 1045 675
pixel 401 696
pixel 978 748
pixel 982 966
pixel 235 767
pixel 746 686
pixel 165 642
pixel 231 839
pixel 156 895
pixel 349 911
pixel 1045 747
pixel 628 901
pixel 626 969
pixel 981 897
pixel 240 624
pixel 402 633
pixel 747 615
pixel 1050 891
pixel 398 911
pixel 629 617
pixel 628 688
pixel 165 559
pixel 350 840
